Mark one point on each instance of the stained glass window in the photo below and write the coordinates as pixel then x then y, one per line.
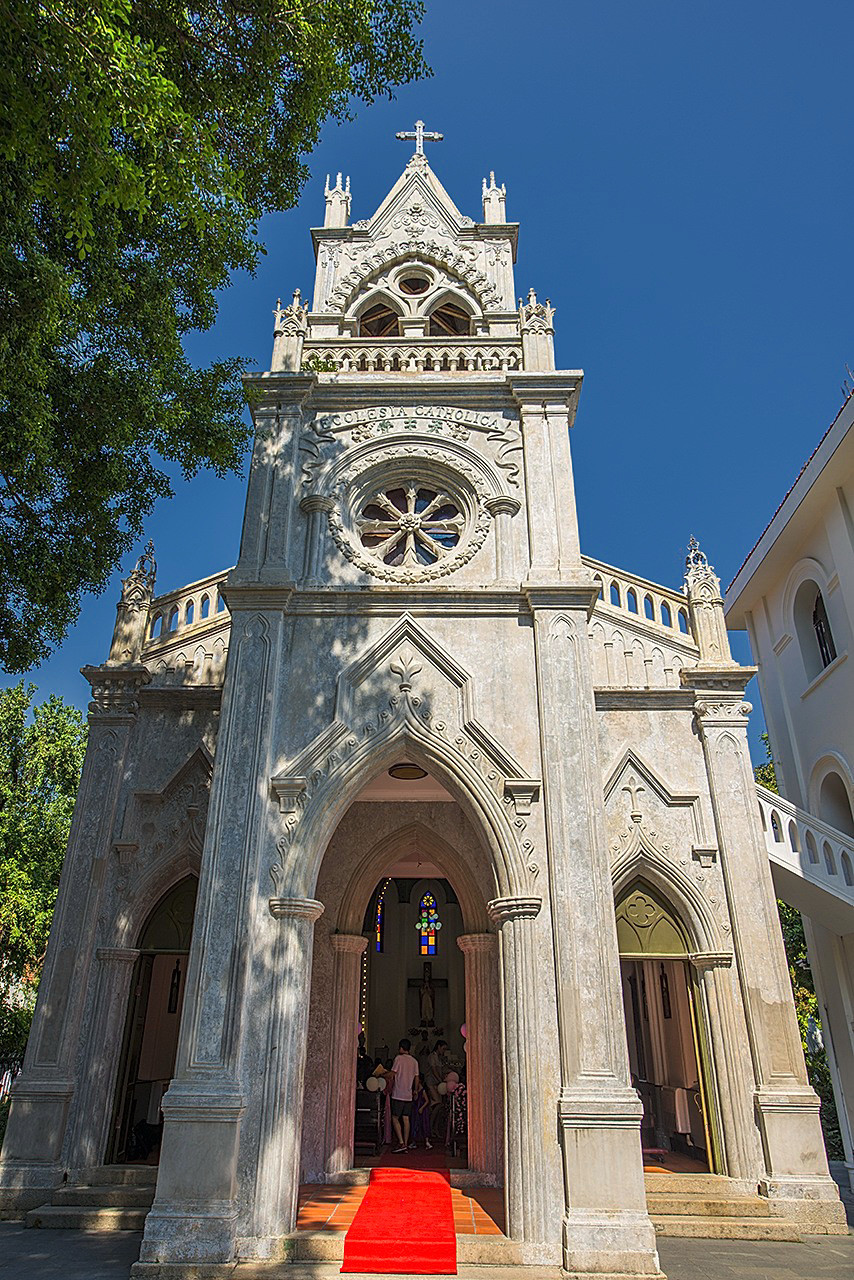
pixel 428 925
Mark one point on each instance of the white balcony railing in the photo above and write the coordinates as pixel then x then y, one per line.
pixel 190 609
pixel 646 601
pixel 808 847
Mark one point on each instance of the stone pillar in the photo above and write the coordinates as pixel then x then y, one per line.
pixel 194 1217
pixel 484 1092
pixel 316 506
pixel 502 509
pixel 526 1189
pixel 606 1227
pixel 348 949
pixel 730 1068
pixel 94 1101
pixel 277 1176
pixel 787 1109
pixel 33 1154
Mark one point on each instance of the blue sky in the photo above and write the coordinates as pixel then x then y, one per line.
pixel 683 178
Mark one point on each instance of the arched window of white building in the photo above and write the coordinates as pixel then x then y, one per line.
pixel 813 629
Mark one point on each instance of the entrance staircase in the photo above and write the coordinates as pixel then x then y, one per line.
pixel 118 1197
pixel 712 1207
pixel 112 1198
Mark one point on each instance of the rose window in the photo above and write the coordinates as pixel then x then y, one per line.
pixel 410 526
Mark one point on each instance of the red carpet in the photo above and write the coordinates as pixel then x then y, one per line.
pixel 404 1224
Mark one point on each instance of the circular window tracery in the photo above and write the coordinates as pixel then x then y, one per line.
pixel 411 525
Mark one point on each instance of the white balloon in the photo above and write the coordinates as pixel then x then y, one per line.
pixel 382 1082
pixel 372 1084
pixel 441 1087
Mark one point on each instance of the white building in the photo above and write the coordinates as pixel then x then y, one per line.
pixel 432 700
pixel 794 594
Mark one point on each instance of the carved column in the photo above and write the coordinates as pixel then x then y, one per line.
pixel 605 1223
pixel 33 1150
pixel 787 1109
pixel 93 1103
pixel 482 1020
pixel 526 1188
pixel 502 509
pixel 316 507
pixel 348 949
pixel 277 1173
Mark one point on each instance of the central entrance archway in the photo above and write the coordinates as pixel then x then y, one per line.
pixel 384 868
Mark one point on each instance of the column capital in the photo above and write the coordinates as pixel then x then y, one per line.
pixel 502 505
pixel 355 943
pixel 503 909
pixel 296 909
pixel 469 942
pixel 117 955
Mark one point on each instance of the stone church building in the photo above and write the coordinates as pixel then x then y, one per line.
pixel 414 703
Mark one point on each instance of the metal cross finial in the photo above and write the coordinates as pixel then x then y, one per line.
pixel 420 136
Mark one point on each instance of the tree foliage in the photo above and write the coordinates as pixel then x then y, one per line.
pixel 139 147
pixel 41 756
pixel 803 990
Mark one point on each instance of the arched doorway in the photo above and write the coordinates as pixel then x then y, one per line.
pixel 153 1021
pixel 668 1054
pixel 408 852
pixel 413 987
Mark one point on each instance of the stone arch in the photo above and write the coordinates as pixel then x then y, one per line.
pixel 321 814
pixel 642 861
pixel 151 888
pixel 453 867
pixel 351 301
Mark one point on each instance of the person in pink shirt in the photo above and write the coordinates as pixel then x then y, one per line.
pixel 405 1072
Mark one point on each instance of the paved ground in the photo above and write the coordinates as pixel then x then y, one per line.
pixel 72 1255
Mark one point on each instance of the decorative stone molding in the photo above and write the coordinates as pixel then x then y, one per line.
pixel 503 909
pixel 702 960
pixel 296 909
pixel 705 854
pixel 132 609
pixel 523 792
pixel 289 330
pixel 115 690
pixel 117 955
pixel 288 792
pixel 721 714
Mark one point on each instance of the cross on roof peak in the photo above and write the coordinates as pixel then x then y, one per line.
pixel 419 136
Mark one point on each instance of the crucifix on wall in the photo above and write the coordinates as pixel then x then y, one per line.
pixel 426 986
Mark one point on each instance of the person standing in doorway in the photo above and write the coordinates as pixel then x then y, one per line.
pixel 405 1072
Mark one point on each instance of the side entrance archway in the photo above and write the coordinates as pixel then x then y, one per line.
pixel 665 1029
pixel 150 1041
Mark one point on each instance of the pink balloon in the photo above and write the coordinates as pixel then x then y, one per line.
pixel 359 1028
pixel 464 1031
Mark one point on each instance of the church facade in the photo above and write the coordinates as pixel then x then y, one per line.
pixel 414 694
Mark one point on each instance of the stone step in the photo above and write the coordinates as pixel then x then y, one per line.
pixel 122 1175
pixel 707 1207
pixel 714 1185
pixel 82 1218
pixel 730 1228
pixel 472 1250
pixel 105 1197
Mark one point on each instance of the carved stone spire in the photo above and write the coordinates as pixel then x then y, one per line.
pixel 337 203
pixel 703 589
pixel 132 609
pixel 536 323
pixel 289 330
pixel 493 201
